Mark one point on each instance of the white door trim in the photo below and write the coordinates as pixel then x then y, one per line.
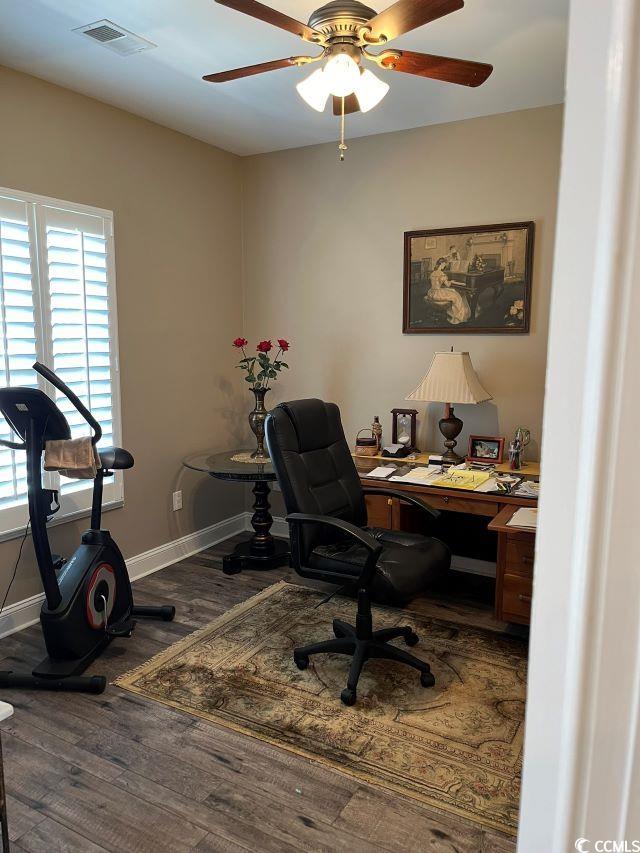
pixel 582 750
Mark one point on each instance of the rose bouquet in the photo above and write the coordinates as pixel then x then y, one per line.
pixel 261 369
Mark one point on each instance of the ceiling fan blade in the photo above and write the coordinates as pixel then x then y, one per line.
pixel 461 71
pixel 249 70
pixel 406 15
pixel 351 105
pixel 277 19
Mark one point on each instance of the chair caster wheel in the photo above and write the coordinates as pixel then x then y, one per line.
pixel 301 661
pixel 412 639
pixel 348 696
pixel 427 679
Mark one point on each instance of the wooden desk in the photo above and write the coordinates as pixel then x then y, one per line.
pixel 528 470
pixel 514 572
pixel 515 545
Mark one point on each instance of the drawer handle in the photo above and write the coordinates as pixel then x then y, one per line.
pixel 522 597
pixel 527 560
pixel 446 499
pixel 389 502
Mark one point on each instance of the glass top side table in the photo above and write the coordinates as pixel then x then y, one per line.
pixel 261 550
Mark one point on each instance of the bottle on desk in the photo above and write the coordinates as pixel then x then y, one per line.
pixel 376 429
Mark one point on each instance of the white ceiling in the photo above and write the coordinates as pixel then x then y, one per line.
pixel 523 39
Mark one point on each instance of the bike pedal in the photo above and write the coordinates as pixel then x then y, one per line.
pixel 121 629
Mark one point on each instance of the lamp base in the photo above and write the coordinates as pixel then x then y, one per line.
pixel 450 427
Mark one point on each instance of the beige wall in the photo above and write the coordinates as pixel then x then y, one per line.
pixel 323 256
pixel 176 206
pixel 321 248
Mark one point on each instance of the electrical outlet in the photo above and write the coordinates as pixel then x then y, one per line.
pixel 177 500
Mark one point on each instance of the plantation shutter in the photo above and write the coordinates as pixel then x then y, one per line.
pixel 57 304
pixel 17 333
pixel 76 257
pixel 76 249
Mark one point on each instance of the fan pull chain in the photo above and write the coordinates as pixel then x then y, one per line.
pixel 342 147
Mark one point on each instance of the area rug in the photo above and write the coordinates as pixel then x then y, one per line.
pixel 456 746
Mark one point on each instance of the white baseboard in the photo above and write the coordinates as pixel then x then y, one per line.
pixel 280 526
pixel 472 566
pixel 171 552
pixel 23 613
pixel 20 615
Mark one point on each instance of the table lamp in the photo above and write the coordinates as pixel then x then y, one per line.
pixel 450 379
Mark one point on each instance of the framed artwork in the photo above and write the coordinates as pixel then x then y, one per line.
pixel 466 280
pixel 486 448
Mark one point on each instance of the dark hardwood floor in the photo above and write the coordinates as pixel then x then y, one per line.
pixel 118 772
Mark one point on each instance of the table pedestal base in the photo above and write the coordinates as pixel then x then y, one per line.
pixel 262 551
pixel 245 556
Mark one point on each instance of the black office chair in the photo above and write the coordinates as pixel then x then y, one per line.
pixel 330 540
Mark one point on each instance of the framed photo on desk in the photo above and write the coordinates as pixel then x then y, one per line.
pixel 468 279
pixel 486 448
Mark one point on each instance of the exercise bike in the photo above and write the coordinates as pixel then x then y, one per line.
pixel 88 598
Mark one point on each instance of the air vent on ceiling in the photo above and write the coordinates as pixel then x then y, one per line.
pixel 115 37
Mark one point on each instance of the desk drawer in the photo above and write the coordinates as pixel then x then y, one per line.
pixel 379 511
pixel 519 557
pixel 453 503
pixel 516 598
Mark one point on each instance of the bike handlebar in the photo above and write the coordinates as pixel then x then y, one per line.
pixel 55 380
pixel 13 445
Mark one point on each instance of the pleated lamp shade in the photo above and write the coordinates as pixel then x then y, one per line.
pixel 450 379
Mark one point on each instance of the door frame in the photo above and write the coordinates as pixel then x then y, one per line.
pixel 582 746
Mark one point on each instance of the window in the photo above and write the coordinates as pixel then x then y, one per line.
pixel 57 305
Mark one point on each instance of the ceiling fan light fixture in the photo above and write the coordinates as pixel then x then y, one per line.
pixel 370 90
pixel 342 75
pixel 314 90
pixel 345 29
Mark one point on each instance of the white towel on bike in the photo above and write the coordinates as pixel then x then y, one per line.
pixel 76 458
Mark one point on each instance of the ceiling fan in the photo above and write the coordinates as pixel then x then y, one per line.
pixel 345 30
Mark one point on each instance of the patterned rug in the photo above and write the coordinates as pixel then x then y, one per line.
pixel 456 746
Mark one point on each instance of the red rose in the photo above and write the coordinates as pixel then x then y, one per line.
pixel 240 342
pixel 284 345
pixel 264 346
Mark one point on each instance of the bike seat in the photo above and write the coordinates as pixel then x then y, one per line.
pixel 115 458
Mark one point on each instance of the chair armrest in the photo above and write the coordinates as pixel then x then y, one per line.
pixel 361 536
pixel 402 496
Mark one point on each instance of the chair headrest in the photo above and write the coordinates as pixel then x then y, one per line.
pixel 316 424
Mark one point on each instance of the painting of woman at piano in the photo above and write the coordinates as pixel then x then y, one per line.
pixel 468 279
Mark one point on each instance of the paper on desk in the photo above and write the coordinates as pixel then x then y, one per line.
pixel 419 475
pixel 528 489
pixel 490 485
pixel 524 517
pixel 459 479
pixel 381 472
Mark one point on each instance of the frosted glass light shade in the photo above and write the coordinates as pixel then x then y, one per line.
pixel 370 90
pixel 342 75
pixel 314 90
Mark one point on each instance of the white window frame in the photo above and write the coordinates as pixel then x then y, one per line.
pixel 76 503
